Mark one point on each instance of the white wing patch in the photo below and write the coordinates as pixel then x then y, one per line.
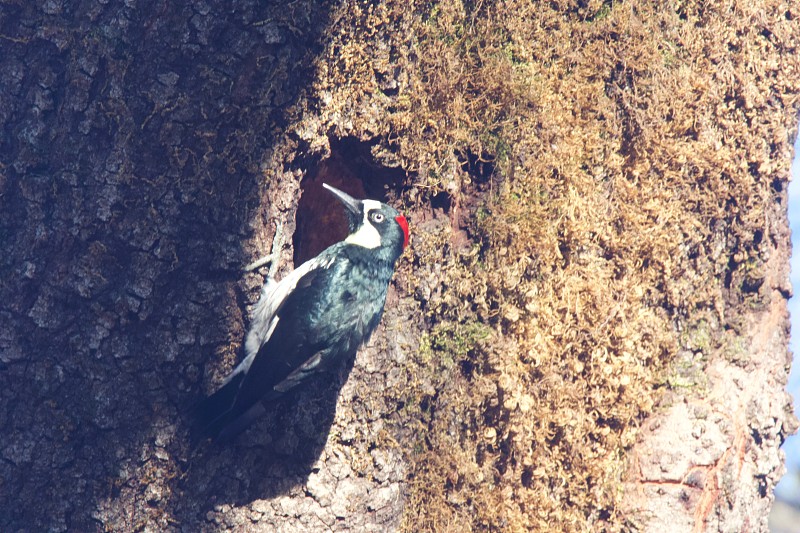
pixel 264 320
pixel 366 236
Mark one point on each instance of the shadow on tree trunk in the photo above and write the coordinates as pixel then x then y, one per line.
pixel 130 180
pixel 274 455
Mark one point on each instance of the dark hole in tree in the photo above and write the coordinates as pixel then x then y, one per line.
pixel 762 486
pixel 467 369
pixel 441 201
pixel 527 478
pixel 758 236
pixel 351 168
pixel 479 166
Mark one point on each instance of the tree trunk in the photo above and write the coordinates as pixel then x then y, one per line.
pixel 589 331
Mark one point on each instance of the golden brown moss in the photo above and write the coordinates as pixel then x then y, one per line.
pixel 634 148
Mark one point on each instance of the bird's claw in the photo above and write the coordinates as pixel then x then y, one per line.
pixel 273 258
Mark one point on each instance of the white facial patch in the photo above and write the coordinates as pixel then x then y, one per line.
pixel 366 236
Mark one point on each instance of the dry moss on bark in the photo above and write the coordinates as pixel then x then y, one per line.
pixel 634 148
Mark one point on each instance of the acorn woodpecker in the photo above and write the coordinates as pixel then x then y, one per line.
pixel 316 316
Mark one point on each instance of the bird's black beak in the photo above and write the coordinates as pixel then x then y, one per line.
pixel 352 205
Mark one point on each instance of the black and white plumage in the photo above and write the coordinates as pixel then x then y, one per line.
pixel 313 318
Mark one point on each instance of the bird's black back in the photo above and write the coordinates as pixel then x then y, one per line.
pixel 331 312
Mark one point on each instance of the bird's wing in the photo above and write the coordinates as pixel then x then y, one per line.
pixel 265 319
pixel 274 350
pixel 300 342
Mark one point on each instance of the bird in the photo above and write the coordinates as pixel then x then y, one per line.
pixel 312 319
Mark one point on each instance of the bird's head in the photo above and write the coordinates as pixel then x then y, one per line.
pixel 373 224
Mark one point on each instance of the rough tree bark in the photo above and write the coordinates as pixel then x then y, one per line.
pixel 590 330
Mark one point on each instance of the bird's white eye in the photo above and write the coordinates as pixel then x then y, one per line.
pixel 376 217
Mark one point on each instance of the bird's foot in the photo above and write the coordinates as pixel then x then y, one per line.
pixel 273 258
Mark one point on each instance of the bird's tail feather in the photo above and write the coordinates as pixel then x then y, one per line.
pixel 238 423
pixel 210 415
